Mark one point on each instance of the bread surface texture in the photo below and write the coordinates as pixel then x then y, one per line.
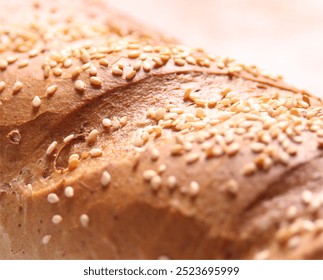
pixel 117 142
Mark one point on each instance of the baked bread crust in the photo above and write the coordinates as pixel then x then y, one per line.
pixel 116 143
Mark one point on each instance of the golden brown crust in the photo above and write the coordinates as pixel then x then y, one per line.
pixel 124 145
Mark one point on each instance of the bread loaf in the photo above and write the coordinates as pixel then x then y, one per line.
pixel 118 143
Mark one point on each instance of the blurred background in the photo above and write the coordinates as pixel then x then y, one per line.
pixel 280 36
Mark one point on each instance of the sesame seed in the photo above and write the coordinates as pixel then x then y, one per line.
pixel 154 154
pixel 68 138
pixel 115 123
pixel 137 65
pixel 52 198
pixel 200 113
pixel 307 196
pixel 11 59
pixel 56 219
pixel 105 179
pixel 291 212
pixel 3 64
pixel 46 239
pixel 96 81
pixel 155 182
pixel 92 136
pixel 36 101
pixel 134 54
pixel 51 148
pixel 131 75
pixel 160 114
pixel 293 242
pixel 194 188
pixel 93 71
pixel 23 63
pixel 249 169
pixel 171 182
pixel 233 149
pixel 76 72
pixel 123 120
pixel 96 152
pixel 68 63
pixel 146 66
pixel 148 174
pixel 33 53
pixel 117 71
pixel 73 163
pixel 257 147
pixel 231 186
pixel 179 61
pixel 192 157
pixel 190 60
pixel 106 122
pixel 74 156
pixel 84 220
pixel 51 90
pixel 2 86
pixel 57 71
pixel 262 255
pixel 17 87
pixel 263 162
pixel 104 62
pixel 69 192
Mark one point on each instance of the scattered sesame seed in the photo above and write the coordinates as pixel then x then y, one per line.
pixel 105 179
pixel 92 136
pixel 131 75
pixel 46 239
pixel 192 157
pixel 84 220
pixel 51 148
pixel 134 54
pixel 160 114
pixel 36 101
pixel 231 186
pixel 106 122
pixel 257 147
pixel 51 90
pixel 104 62
pixel 194 188
pixel 2 86
pixel 115 123
pixel 154 154
pixel 171 182
pixel 291 212
pixel 249 169
pixel 56 219
pixel 52 198
pixel 146 66
pixel 179 61
pixel 69 192
pixel 57 71
pixel 148 174
pixel 93 71
pixel 123 120
pixel 17 87
pixel 262 255
pixel 68 138
pixel 233 149
pixel 68 63
pixel 307 196
pixel 117 71
pixel 96 152
pixel 23 63
pixel 155 182
pixel 96 81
